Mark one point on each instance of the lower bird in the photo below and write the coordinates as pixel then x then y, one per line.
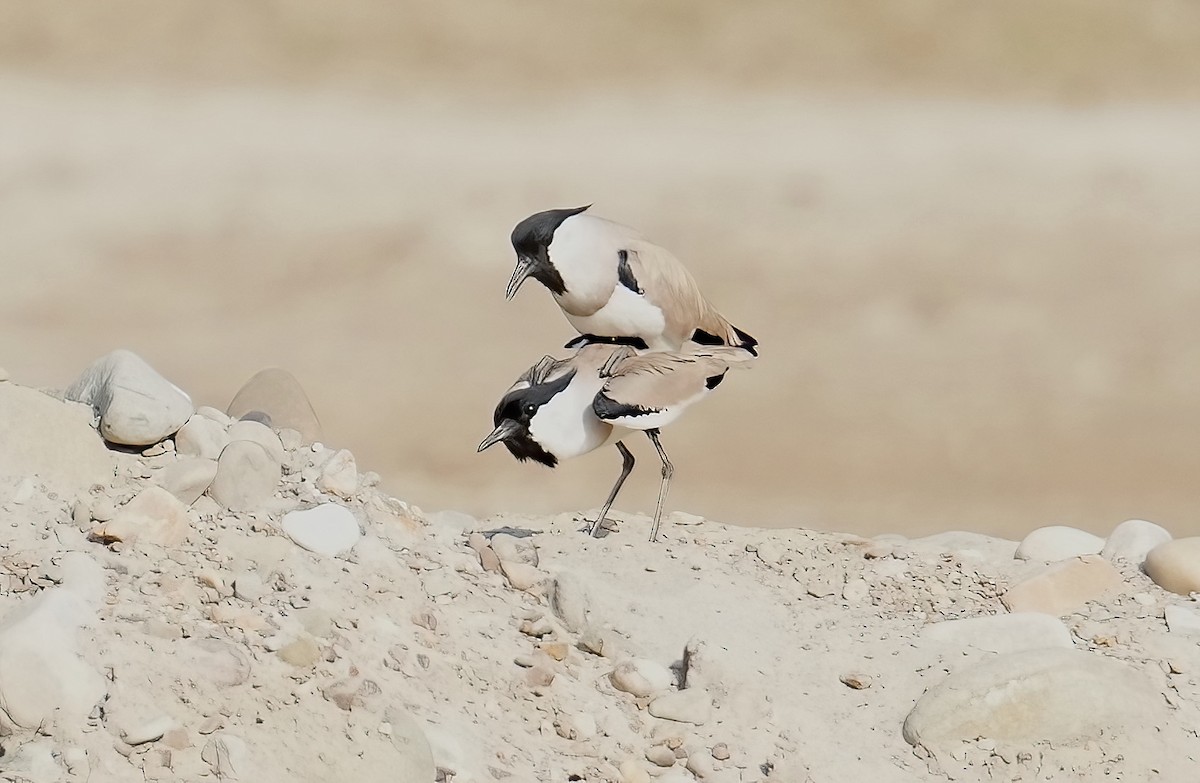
pixel 562 408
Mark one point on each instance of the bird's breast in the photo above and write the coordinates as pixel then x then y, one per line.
pixel 624 314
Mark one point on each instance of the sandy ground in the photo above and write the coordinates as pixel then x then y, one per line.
pixel 148 632
pixel 965 236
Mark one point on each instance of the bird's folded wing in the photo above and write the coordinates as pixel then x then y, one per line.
pixel 666 379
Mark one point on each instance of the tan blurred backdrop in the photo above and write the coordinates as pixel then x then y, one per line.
pixel 966 234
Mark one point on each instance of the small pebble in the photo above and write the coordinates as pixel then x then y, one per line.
pixel 856 681
pixel 660 755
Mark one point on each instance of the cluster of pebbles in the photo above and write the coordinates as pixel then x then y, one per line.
pixel 193 594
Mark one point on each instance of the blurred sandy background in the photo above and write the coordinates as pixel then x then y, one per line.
pixel 966 234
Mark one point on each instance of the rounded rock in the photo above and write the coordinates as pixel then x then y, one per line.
pixel 1050 695
pixel 641 677
pixel 1175 565
pixel 136 405
pixel 201 437
pixel 259 433
pixel 188 478
pixel 246 477
pixel 1058 542
pixel 1133 539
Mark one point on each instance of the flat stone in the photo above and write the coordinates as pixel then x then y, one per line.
pixel 247 476
pixel 1058 542
pixel 415 760
pixel 339 476
pixel 328 529
pixel 259 433
pixel 52 440
pixel 188 478
pixel 276 393
pixel 154 516
pixel 1051 695
pixel 201 437
pixel 229 757
pixel 1182 620
pixel 1002 633
pixel 1175 565
pixel 692 705
pixel 1133 539
pixel 641 677
pixel 136 405
pixel 1064 587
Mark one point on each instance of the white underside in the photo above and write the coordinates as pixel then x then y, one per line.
pixel 626 315
pixel 566 426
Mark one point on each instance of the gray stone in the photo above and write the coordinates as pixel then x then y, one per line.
pixel 261 434
pixel 1058 542
pixel 136 405
pixel 339 475
pixel 1051 695
pixel 52 440
pixel 328 529
pixel 276 393
pixel 201 437
pixel 246 476
pixel 154 515
pixel 1133 539
pixel 1175 565
pixel 188 478
pixel 1002 633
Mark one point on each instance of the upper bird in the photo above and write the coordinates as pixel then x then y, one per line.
pixel 614 286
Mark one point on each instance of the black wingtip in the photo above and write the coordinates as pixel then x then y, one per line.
pixel 748 342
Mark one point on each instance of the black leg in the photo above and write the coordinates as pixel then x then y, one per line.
pixel 667 470
pixel 626 468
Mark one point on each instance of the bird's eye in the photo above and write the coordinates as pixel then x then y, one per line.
pixel 530 409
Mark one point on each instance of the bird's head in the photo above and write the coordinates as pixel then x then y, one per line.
pixel 531 240
pixel 514 416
